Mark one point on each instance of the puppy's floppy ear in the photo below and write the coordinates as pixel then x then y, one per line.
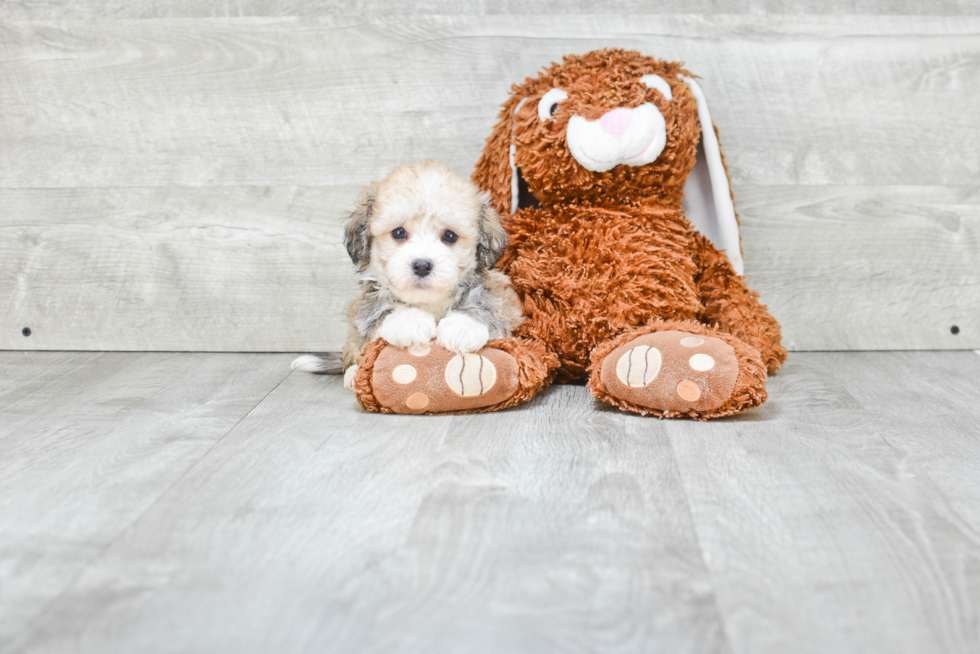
pixel 357 235
pixel 493 238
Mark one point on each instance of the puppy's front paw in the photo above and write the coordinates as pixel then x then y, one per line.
pixel 349 376
pixel 407 327
pixel 459 332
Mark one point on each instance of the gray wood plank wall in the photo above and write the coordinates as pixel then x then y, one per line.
pixel 176 184
pixel 101 9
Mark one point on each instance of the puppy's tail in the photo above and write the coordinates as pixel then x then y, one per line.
pixel 328 363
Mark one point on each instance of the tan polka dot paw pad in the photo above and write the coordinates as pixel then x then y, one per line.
pixel 431 379
pixel 672 371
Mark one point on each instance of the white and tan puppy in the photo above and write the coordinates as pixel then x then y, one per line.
pixel 423 242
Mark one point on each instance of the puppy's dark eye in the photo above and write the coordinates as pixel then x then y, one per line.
pixel 449 237
pixel 399 234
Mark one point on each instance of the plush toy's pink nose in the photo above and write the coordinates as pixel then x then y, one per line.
pixel 616 122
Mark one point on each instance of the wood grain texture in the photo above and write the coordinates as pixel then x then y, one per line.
pixel 95 9
pixel 264 269
pixel 866 268
pixel 841 516
pixel 227 269
pixel 343 100
pixel 90 442
pixel 174 184
pixel 316 527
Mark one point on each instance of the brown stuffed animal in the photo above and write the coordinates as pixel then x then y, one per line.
pixel 592 164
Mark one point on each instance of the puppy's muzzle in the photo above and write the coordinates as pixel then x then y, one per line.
pixel 421 267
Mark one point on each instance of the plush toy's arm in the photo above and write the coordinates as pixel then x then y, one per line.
pixel 730 304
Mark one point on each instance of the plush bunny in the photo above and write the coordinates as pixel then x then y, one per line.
pixel 624 249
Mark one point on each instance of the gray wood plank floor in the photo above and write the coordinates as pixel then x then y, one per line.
pixel 219 503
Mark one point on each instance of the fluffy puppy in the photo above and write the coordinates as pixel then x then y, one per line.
pixel 423 242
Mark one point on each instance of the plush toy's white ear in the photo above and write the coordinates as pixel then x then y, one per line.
pixel 707 196
pixel 514 191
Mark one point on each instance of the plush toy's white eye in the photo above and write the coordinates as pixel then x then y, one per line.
pixel 659 83
pixel 548 104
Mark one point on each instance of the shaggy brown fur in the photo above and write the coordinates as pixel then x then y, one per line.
pixel 602 258
pixel 605 257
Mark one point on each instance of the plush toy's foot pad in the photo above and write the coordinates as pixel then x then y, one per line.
pixel 672 371
pixel 431 379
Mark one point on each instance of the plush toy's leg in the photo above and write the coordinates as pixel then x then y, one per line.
pixel 432 379
pixel 675 369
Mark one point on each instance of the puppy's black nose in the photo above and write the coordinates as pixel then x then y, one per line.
pixel 422 267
